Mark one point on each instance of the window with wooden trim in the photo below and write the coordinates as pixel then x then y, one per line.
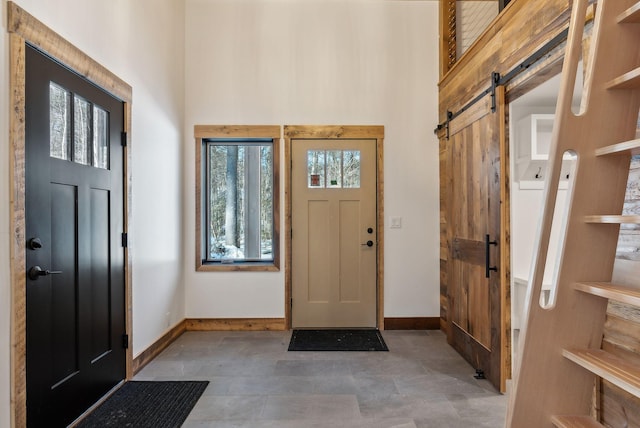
pixel 237 197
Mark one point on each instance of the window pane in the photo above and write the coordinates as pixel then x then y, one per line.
pixel 315 168
pixel 59 115
pixel 82 130
pixel 334 168
pixel 266 202
pixel 351 169
pixel 100 138
pixel 240 205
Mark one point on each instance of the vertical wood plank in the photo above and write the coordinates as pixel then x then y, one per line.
pixel 505 239
pixel 17 221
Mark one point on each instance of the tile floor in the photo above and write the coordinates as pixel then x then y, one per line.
pixel 255 382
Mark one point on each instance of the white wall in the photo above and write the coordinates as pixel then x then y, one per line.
pixel 142 42
pixel 294 62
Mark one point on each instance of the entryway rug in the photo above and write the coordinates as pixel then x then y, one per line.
pixel 147 404
pixel 337 340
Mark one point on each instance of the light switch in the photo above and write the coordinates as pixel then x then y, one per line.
pixel 396 222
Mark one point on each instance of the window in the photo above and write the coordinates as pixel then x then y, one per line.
pixel 78 129
pixel 238 198
pixel 333 168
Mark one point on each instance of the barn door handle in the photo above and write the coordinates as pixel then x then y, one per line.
pixel 36 272
pixel 487 257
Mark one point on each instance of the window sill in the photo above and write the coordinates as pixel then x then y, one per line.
pixel 237 267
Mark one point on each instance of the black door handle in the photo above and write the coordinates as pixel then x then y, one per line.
pixel 36 272
pixel 487 257
pixel 368 244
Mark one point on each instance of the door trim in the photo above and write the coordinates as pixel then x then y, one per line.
pixel 23 29
pixel 325 132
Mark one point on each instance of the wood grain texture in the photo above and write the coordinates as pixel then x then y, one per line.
pixel 619 293
pixel 631 15
pixel 471 208
pixel 631 147
pixel 629 80
pixel 612 219
pixel 235 324
pixel 236 131
pixel 589 249
pixel 48 41
pixel 146 356
pixel 514 35
pixel 504 294
pixel 620 409
pixel 412 323
pixel 610 367
pixel 17 224
pixel 24 28
pixel 333 131
pixel 292 132
pixel 272 132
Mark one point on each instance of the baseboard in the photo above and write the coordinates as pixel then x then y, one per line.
pixel 235 324
pixel 157 347
pixel 257 324
pixel 412 323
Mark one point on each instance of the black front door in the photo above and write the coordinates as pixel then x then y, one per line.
pixel 75 260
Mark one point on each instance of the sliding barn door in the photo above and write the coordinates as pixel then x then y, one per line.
pixel 475 298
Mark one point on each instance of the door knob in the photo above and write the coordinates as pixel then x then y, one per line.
pixel 36 272
pixel 368 243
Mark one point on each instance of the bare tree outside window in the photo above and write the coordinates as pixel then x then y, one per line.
pixel 239 204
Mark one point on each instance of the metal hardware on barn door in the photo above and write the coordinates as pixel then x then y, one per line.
pixel 487 259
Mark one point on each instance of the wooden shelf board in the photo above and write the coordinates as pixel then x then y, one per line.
pixel 631 15
pixel 575 422
pixel 613 219
pixel 615 292
pixel 630 80
pixel 619 372
pixel 631 147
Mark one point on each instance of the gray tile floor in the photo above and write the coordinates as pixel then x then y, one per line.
pixel 255 382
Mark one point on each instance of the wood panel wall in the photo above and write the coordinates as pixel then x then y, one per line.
pixel 515 35
pixel 518 32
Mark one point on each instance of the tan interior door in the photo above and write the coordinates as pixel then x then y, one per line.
pixel 334 245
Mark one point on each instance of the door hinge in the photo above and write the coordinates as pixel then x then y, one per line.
pixel 125 341
pixel 123 138
pixel 125 240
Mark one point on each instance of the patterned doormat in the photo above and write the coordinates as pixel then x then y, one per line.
pixel 337 340
pixel 147 404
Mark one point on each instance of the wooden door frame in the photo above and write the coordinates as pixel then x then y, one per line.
pixel 325 132
pixel 25 29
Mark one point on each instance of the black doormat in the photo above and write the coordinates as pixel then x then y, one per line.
pixel 147 404
pixel 337 340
